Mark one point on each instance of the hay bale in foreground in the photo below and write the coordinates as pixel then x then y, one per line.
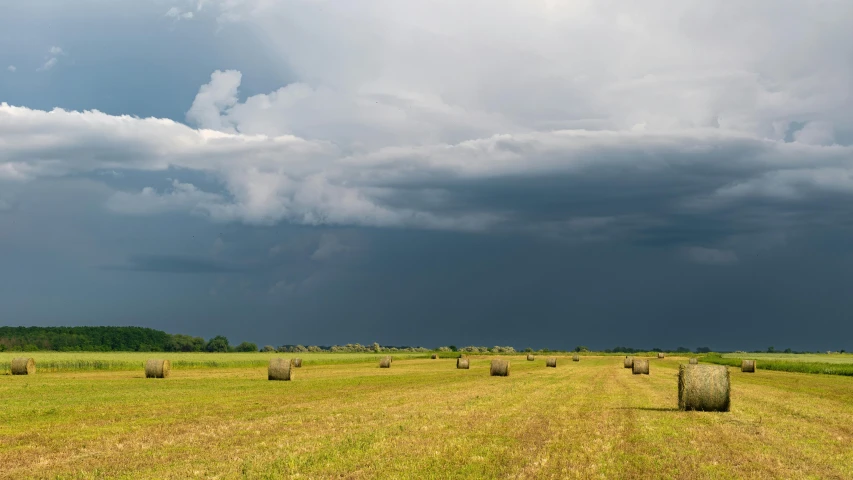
pixel 500 368
pixel 463 363
pixel 703 387
pixel 661 355
pixel 530 357
pixel 551 362
pixel 629 362
pixel 694 361
pixel 434 356
pixel 747 366
pixel 23 366
pixel 297 362
pixel 385 362
pixel 640 366
pixel 157 368
pixel 576 358
pixel 280 369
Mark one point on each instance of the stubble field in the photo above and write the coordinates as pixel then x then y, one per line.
pixel 420 419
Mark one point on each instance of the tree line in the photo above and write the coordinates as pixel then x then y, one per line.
pixel 111 339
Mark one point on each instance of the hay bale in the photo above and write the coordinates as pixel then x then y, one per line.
pixel 703 387
pixel 157 368
pixel 694 361
pixel 23 366
pixel 629 362
pixel 530 357
pixel 463 363
pixel 747 366
pixel 640 366
pixel 500 368
pixel 434 356
pixel 297 362
pixel 280 369
pixel 385 362
pixel 576 358
pixel 551 362
pixel 661 355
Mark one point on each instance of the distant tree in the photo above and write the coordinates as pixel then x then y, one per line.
pixel 217 344
pixel 246 347
pixel 528 349
pixel 682 350
pixel 185 343
pixel 656 350
pixel 787 350
pixel 376 347
pixel 771 350
pixel 703 350
pixel 268 348
pixel 581 348
pixel 453 348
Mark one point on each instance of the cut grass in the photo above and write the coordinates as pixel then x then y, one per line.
pixel 124 361
pixel 422 419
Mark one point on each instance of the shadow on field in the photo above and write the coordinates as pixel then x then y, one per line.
pixel 650 409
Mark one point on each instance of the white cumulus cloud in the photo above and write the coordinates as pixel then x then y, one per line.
pixel 579 120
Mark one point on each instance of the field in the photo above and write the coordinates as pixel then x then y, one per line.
pixel 836 358
pixel 123 361
pixel 836 364
pixel 420 419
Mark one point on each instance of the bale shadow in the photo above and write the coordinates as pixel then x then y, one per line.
pixel 651 409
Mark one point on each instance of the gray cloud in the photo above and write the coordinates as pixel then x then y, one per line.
pixel 711 256
pixel 174 264
pixel 414 172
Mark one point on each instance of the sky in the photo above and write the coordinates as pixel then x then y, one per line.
pixel 533 173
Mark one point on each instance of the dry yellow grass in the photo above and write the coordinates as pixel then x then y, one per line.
pixel 434 422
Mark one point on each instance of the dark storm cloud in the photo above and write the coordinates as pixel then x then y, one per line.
pixel 174 264
pixel 549 174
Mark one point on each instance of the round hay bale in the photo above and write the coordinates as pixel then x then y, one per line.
pixel 463 363
pixel 629 362
pixel 551 362
pixel 530 357
pixel 640 366
pixel 23 366
pixel 747 366
pixel 280 369
pixel 576 358
pixel 500 368
pixel 385 362
pixel 297 362
pixel 661 355
pixel 157 368
pixel 703 387
pixel 694 361
pixel 434 356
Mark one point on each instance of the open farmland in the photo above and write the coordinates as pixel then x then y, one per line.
pixel 123 361
pixel 838 358
pixel 419 419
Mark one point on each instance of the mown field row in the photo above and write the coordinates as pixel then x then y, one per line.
pixel 127 361
pixel 839 364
